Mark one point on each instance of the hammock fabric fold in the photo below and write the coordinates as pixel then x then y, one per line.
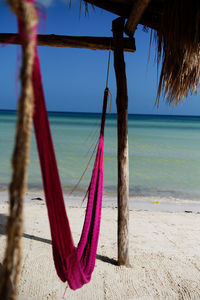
pixel 73 264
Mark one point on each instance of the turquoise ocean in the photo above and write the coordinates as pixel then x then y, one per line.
pixel 164 153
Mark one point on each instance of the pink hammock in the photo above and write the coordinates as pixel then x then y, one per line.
pixel 72 264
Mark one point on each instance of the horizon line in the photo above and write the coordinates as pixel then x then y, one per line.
pixel 99 113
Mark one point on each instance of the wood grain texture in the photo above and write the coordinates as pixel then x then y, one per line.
pixel 52 40
pixel 151 17
pixel 122 125
pixel 137 11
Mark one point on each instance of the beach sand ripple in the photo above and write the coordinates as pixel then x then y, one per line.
pixel 164 255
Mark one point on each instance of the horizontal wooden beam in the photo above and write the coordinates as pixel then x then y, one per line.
pixel 52 40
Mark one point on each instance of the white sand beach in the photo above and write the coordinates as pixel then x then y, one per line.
pixel 164 252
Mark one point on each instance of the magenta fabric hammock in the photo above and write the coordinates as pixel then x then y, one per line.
pixel 73 264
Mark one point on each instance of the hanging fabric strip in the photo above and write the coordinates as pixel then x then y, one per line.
pixel 72 264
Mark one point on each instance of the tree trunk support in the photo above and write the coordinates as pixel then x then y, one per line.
pixel 150 18
pixel 138 8
pixel 122 125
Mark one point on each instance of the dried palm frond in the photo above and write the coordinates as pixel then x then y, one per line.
pixel 178 49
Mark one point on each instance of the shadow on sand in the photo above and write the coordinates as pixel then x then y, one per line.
pixel 3 222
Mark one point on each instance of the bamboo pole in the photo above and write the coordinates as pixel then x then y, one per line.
pixel 137 11
pixel 122 125
pixel 52 40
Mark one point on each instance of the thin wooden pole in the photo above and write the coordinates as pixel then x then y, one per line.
pixel 87 42
pixel 122 125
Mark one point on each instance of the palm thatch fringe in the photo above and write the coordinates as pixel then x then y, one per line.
pixel 178 49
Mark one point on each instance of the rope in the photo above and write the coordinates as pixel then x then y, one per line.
pixel 108 68
pixel 110 101
pixel 11 264
pixel 75 187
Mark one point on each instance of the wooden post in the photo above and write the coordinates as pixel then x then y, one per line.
pixel 122 125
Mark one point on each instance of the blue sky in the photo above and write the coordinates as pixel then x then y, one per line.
pixel 74 79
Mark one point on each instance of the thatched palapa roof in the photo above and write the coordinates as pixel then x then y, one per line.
pixel 176 26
